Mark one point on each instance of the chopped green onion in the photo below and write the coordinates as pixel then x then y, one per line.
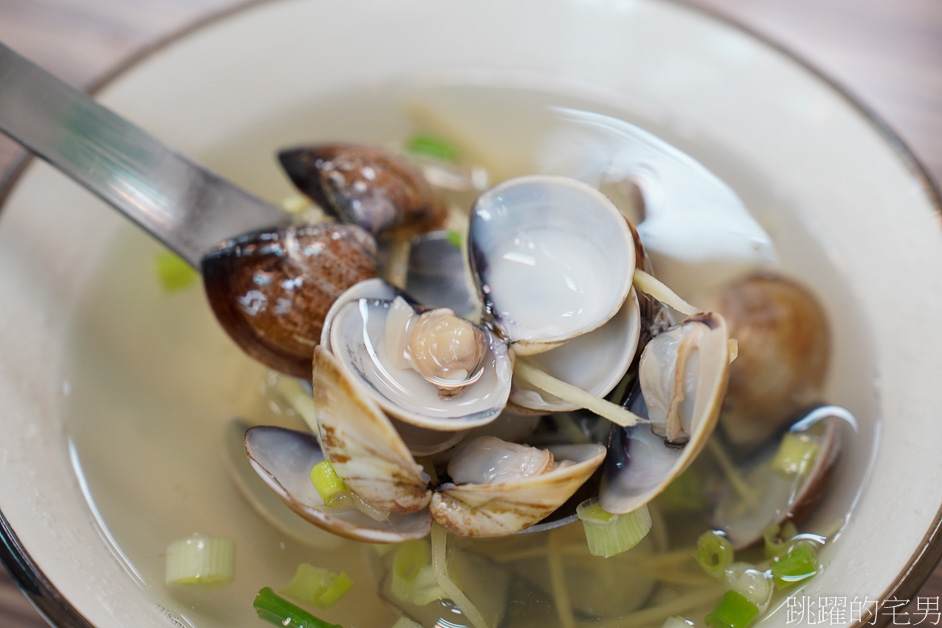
pixel 796 453
pixel 200 560
pixel 408 561
pixel 452 591
pixel 327 483
pixel 778 538
pixel 280 612
pixel 405 622
pixel 608 534
pixel 751 583
pixel 733 611
pixel 799 563
pixel 714 553
pixel 453 238
pixel 427 589
pixel 428 145
pixel 317 586
pixel 173 272
pixel 676 622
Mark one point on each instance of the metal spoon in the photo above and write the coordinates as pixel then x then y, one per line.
pixel 182 204
pixel 216 226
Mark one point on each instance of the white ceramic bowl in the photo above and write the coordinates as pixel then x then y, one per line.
pixel 778 133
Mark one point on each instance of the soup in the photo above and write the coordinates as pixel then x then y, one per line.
pixel 156 457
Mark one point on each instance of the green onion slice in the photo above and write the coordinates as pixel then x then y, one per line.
pixel 714 553
pixel 796 453
pixel 408 561
pixel 607 534
pixel 454 238
pixel 427 589
pixel 200 560
pixel 317 586
pixel 327 483
pixel 798 564
pixel 778 538
pixel 733 611
pixel 173 272
pixel 751 583
pixel 427 145
pixel 280 612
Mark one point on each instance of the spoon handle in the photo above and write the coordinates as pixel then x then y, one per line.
pixel 182 204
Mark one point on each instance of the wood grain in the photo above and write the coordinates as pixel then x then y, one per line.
pixel 889 53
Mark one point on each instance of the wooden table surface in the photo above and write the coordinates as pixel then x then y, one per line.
pixel 887 52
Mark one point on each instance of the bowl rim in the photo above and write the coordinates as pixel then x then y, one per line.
pixel 58 611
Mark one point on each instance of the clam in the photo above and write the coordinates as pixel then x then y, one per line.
pixel 365 186
pixel 783 339
pixel 682 379
pixel 431 369
pixel 271 290
pixel 373 288
pixel 284 458
pixel 365 449
pixel 776 497
pixel 553 259
pixel 368 453
pixel 501 488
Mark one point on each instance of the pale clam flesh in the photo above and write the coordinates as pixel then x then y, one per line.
pixel 360 338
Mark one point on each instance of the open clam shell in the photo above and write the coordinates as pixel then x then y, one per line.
pixel 374 288
pixel 641 463
pixel 284 458
pixel 594 362
pixel 438 274
pixel 502 508
pixel 553 258
pixel 358 340
pixel 775 497
pixel 362 443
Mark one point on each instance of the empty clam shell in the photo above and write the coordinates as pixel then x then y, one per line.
pixel 507 507
pixel 553 259
pixel 594 362
pixel 284 458
pixel 777 498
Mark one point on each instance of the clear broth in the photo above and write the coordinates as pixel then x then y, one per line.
pixel 154 382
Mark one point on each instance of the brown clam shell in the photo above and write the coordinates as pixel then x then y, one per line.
pixel 365 186
pixel 784 345
pixel 271 290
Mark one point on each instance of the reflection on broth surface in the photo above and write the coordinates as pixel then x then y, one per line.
pixel 155 386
